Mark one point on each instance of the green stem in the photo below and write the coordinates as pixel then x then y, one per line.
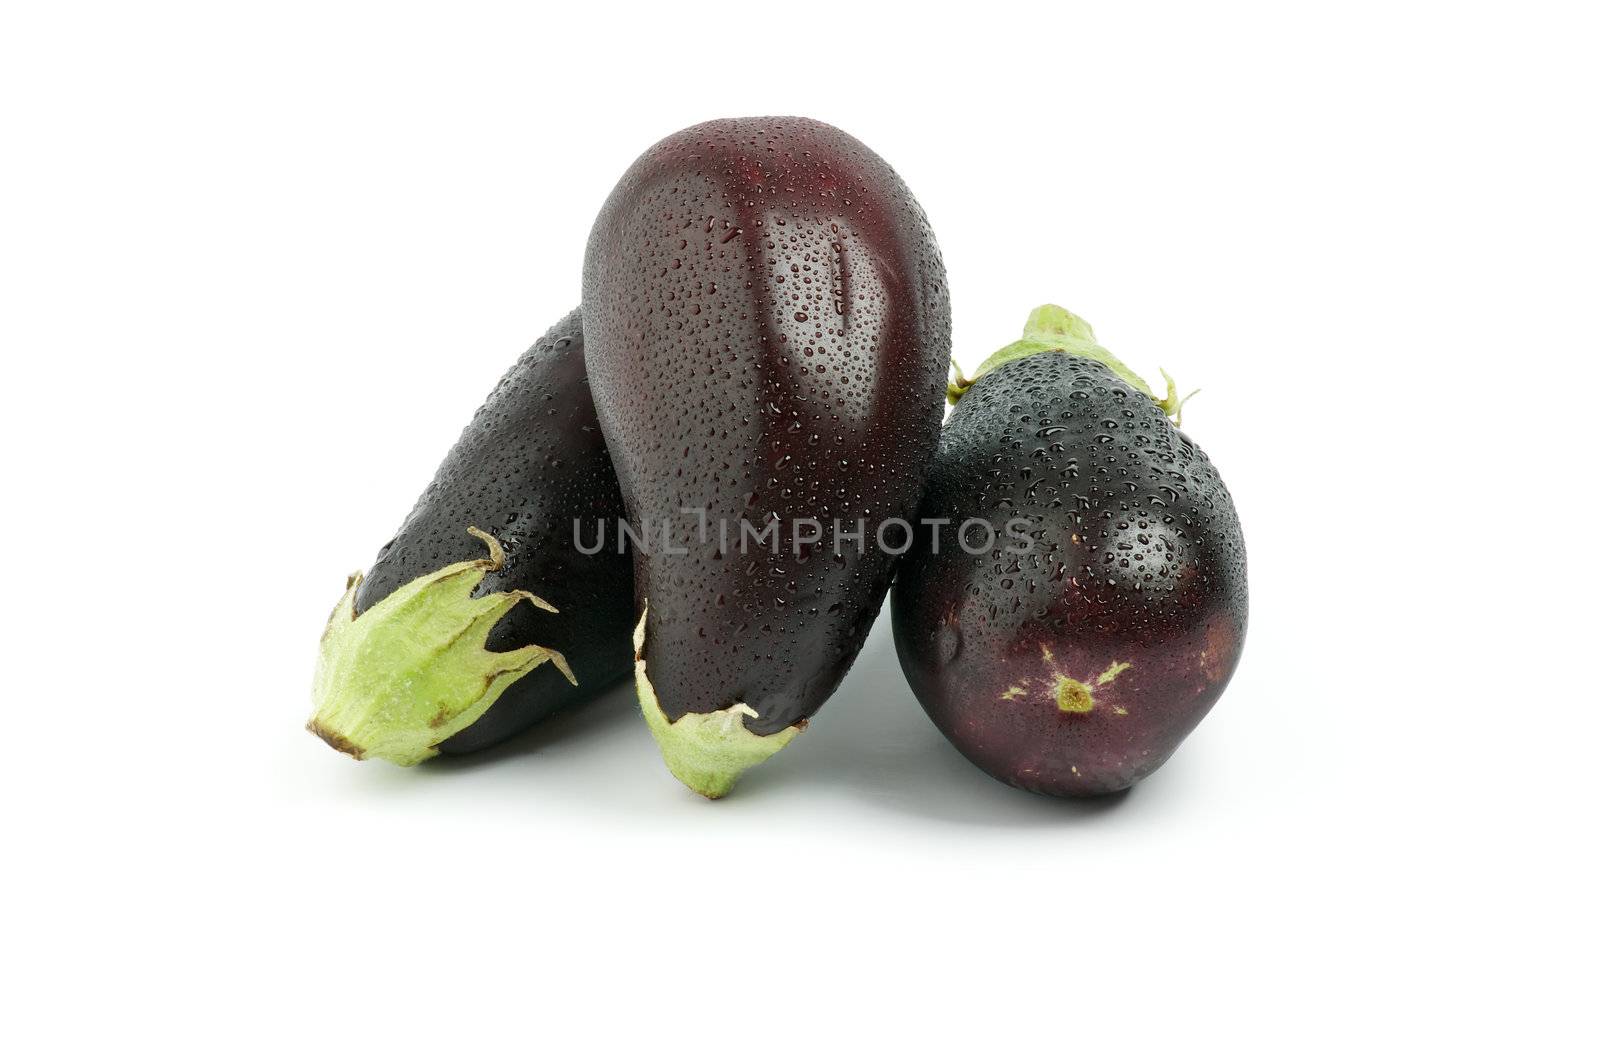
pixel 706 751
pixel 1052 328
pixel 414 669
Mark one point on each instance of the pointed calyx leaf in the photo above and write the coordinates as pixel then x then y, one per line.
pixel 1054 328
pixel 706 751
pixel 414 669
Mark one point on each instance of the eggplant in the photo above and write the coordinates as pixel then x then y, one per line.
pixel 768 326
pixel 483 616
pixel 1071 653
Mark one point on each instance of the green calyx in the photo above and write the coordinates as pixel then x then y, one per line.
pixel 413 669
pixel 1054 328
pixel 706 751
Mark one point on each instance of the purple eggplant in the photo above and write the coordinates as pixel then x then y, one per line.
pixel 1070 653
pixel 768 327
pixel 483 616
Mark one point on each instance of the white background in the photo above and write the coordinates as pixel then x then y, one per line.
pixel 260 263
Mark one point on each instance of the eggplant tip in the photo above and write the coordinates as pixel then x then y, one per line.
pixel 337 741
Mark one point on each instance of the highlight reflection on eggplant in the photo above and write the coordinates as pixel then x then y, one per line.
pixel 481 618
pixel 1077 665
pixel 768 329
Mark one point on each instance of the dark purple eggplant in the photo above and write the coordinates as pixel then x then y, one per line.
pixel 441 649
pixel 1073 653
pixel 768 327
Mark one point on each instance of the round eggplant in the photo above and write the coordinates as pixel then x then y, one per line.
pixel 450 644
pixel 1071 654
pixel 768 327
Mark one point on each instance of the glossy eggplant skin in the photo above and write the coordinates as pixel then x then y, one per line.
pixel 1076 664
pixel 531 462
pixel 769 331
